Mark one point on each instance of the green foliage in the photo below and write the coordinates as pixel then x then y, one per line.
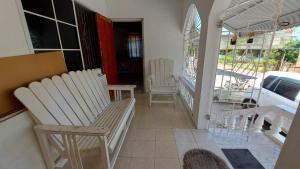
pixel 231 60
pixel 290 50
pixel 192 49
pixel 276 54
pixel 222 52
pixel 292 54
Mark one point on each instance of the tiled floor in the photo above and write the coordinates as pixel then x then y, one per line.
pixel 150 142
pixel 159 136
pixel 262 148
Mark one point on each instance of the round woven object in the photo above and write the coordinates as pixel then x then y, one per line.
pixel 203 159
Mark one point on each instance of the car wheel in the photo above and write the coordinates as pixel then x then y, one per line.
pixel 248 103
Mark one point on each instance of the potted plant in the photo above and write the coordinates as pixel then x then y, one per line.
pixel 250 35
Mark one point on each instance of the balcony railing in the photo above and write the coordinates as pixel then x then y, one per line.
pixel 187 92
pixel 243 121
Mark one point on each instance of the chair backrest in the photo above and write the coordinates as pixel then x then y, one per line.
pixel 76 98
pixel 161 71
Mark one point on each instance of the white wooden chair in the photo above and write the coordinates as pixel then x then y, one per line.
pixel 75 115
pixel 161 80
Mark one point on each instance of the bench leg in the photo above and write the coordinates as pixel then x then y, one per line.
pixel 44 144
pixel 104 152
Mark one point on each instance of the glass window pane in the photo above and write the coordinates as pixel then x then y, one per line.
pixel 272 86
pixel 43 7
pixel 64 11
pixel 73 60
pixel 287 89
pixel 134 46
pixel 268 81
pixel 43 32
pixel 68 35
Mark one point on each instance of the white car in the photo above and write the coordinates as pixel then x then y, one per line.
pixel 278 88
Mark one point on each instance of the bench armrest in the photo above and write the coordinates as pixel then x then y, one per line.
pixel 118 88
pixel 121 87
pixel 73 130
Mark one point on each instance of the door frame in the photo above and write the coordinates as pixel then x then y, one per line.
pixel 143 41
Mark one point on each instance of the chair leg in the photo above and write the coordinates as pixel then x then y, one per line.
pixel 174 100
pixel 150 99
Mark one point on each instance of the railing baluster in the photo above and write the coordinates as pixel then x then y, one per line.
pixel 187 93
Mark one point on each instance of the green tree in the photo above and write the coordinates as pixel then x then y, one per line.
pixel 192 49
pixel 290 51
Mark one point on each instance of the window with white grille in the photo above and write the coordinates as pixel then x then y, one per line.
pixel 191 44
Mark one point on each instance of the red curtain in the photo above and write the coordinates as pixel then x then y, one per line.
pixel 107 48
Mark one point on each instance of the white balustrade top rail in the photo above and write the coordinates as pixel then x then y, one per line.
pixel 280 117
pixel 189 87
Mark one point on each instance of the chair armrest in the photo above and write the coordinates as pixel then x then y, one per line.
pixel 175 78
pixel 149 79
pixel 73 130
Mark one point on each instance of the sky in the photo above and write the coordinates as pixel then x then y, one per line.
pixel 297 33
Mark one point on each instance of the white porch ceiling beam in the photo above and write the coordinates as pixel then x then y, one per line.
pixel 239 5
pixel 230 28
pixel 291 13
pixel 235 15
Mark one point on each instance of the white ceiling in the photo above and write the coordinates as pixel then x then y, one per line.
pixel 259 15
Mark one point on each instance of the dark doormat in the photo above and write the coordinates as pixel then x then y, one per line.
pixel 203 159
pixel 242 159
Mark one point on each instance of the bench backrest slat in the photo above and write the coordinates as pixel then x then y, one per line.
pixel 101 94
pixel 101 78
pixel 61 102
pixel 32 103
pixel 50 104
pixel 93 89
pixel 70 99
pixel 89 92
pixel 103 86
pixel 78 96
pixel 84 94
pixel 40 113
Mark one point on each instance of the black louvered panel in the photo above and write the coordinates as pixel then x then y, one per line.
pixel 88 37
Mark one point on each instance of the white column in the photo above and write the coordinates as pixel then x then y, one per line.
pixel 208 59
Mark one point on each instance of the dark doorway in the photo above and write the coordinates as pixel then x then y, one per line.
pixel 129 52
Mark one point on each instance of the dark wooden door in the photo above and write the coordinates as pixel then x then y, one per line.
pixel 107 47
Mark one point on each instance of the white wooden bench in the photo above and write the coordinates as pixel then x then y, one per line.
pixel 74 114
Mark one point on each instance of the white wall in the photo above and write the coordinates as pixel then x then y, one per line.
pixel 12 39
pixel 18 146
pixel 95 5
pixel 162 27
